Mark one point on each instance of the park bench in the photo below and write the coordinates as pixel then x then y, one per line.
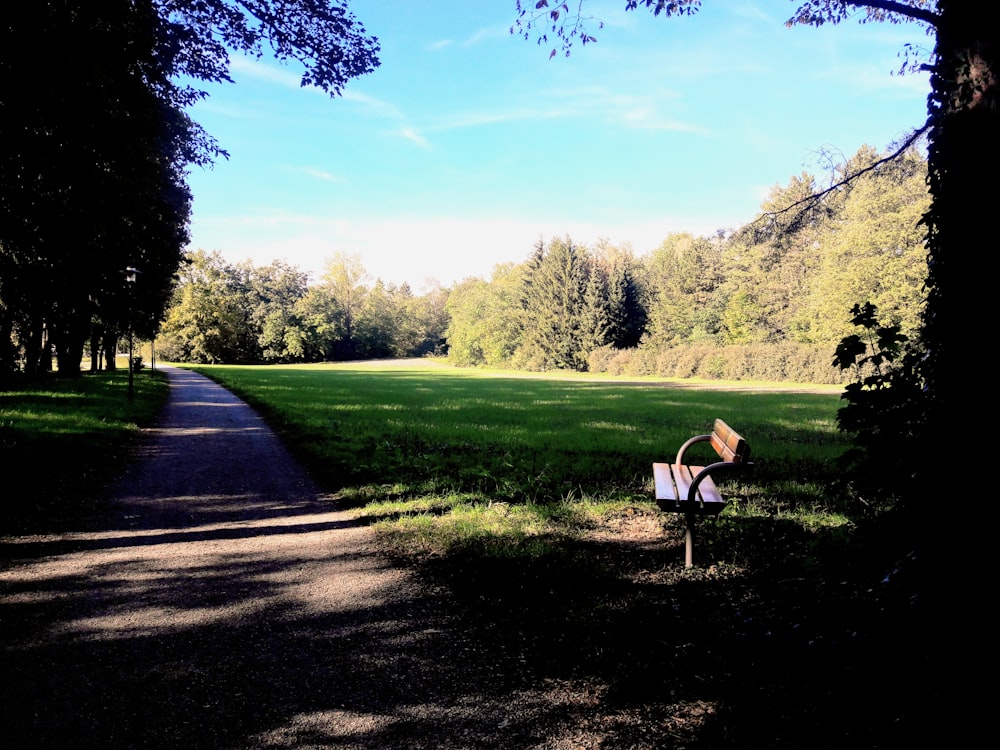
pixel 682 488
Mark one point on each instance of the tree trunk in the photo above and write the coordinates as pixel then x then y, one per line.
pixel 963 168
pixel 110 351
pixel 963 165
pixel 34 349
pixel 69 356
pixel 95 349
pixel 8 352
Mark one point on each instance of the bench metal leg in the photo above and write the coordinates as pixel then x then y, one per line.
pixel 688 540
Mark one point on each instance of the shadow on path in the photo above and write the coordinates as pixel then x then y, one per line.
pixel 226 603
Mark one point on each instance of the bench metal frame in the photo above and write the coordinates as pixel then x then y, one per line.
pixel 681 488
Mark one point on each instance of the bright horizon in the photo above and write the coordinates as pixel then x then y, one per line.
pixel 468 144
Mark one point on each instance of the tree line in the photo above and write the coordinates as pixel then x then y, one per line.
pixel 790 280
pixel 240 313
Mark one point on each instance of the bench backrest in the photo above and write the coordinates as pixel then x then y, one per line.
pixel 728 443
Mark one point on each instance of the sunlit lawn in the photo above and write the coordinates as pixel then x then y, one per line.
pixel 451 455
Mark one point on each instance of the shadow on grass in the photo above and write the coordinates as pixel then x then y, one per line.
pixel 200 638
pixel 796 650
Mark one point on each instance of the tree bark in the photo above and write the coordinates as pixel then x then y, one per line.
pixel 957 332
pixel 963 169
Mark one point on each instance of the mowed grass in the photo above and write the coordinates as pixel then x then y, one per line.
pixel 449 457
pixel 63 440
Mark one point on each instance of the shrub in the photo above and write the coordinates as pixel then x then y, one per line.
pixel 784 362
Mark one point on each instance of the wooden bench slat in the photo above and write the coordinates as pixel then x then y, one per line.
pixel 673 483
pixel 729 444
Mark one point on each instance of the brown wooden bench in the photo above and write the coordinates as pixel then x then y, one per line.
pixel 681 488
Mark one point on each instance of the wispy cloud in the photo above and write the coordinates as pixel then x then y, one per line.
pixel 477 37
pixel 321 174
pixel 485 34
pixel 459 120
pixel 650 111
pixel 412 135
pixel 373 105
pixel 656 109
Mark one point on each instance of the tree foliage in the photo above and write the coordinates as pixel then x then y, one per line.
pixel 485 319
pixel 241 313
pixel 95 145
pixel 795 286
pixel 91 179
pixel 883 408
pixel 555 306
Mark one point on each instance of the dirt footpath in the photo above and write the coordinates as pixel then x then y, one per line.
pixel 225 603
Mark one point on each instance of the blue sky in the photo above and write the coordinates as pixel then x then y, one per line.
pixel 467 144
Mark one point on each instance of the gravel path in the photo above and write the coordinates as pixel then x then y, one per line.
pixel 225 603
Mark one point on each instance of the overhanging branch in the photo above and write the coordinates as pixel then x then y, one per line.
pixel 803 205
pixel 893 6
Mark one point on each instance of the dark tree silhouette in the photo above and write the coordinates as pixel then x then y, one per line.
pixel 95 144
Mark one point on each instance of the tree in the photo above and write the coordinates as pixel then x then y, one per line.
pixel 683 274
pixel 595 314
pixel 429 316
pixel 210 320
pixel 90 177
pixel 321 325
pixel 626 314
pixel 963 119
pixel 322 35
pixel 345 281
pixel 554 306
pixel 873 251
pixel 196 36
pixel 273 292
pixel 486 319
pixel 963 153
pixel 95 144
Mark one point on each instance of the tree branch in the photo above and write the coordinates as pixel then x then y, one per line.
pixel 809 201
pixel 894 6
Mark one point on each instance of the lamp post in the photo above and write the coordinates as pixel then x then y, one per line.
pixel 131 274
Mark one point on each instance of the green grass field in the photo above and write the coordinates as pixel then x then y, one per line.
pixel 518 438
pixel 447 455
pixel 442 451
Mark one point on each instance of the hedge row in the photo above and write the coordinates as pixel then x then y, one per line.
pixel 797 363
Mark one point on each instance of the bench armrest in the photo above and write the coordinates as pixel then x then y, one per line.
pixel 704 473
pixel 688 444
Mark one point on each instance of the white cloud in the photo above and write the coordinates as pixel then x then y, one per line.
pixel 374 105
pixel 412 135
pixel 490 32
pixel 321 174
